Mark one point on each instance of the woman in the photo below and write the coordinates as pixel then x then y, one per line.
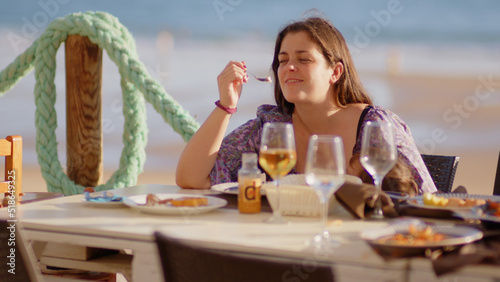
pixel 318 90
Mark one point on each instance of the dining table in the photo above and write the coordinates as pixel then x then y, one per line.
pixel 129 231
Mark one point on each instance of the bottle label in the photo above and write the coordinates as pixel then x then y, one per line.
pixel 249 195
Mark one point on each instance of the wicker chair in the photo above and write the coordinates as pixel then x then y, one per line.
pixel 496 188
pixel 442 170
pixel 186 263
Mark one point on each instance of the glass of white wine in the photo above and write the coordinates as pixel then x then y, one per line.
pixel 378 156
pixel 277 157
pixel 325 172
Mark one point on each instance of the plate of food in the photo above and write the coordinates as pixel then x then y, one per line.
pixel 233 187
pixel 489 212
pixel 103 199
pixel 412 237
pixel 450 201
pixel 229 188
pixel 174 204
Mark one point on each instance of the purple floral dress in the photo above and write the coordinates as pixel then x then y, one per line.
pixel 246 138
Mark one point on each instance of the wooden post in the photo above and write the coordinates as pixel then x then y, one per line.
pixel 83 110
pixel 83 129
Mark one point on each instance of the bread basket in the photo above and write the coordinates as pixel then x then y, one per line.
pixel 299 199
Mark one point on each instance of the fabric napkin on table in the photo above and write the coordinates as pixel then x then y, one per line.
pixel 486 251
pixel 359 200
pixel 460 190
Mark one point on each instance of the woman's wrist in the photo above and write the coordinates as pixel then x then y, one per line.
pixel 226 109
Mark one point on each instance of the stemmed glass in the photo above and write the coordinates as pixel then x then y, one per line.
pixel 277 157
pixel 325 171
pixel 378 156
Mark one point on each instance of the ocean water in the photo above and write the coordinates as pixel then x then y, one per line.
pixel 398 20
pixel 185 44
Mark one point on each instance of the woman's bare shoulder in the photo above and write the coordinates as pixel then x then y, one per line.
pixel 355 109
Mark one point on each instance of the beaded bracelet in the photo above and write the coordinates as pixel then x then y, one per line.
pixel 226 109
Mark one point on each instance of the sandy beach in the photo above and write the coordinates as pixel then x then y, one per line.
pixel 456 121
pixel 476 172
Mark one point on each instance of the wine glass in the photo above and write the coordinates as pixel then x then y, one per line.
pixel 378 157
pixel 325 171
pixel 277 157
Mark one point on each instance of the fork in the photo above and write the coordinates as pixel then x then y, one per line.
pixel 263 79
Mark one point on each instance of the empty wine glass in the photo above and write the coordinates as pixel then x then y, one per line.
pixel 325 171
pixel 277 157
pixel 378 156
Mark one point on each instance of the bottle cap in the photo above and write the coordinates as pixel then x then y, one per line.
pixel 249 158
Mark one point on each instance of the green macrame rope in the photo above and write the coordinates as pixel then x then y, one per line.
pixel 106 31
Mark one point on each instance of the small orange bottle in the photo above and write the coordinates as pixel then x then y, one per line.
pixel 250 183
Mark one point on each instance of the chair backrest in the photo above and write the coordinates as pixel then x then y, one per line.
pixel 496 188
pixel 16 257
pixel 186 263
pixel 442 170
pixel 12 148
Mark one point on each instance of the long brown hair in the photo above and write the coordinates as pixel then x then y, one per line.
pixel 334 48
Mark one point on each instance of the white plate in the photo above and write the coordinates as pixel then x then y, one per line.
pixel 419 202
pixel 137 202
pixel 114 204
pixel 230 188
pixel 457 235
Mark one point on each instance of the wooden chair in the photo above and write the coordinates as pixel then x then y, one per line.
pixel 496 187
pixel 186 263
pixel 442 170
pixel 12 148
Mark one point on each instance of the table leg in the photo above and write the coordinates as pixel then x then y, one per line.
pixel 38 248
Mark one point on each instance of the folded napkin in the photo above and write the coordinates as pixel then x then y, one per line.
pixel 359 200
pixel 460 190
pixel 486 251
